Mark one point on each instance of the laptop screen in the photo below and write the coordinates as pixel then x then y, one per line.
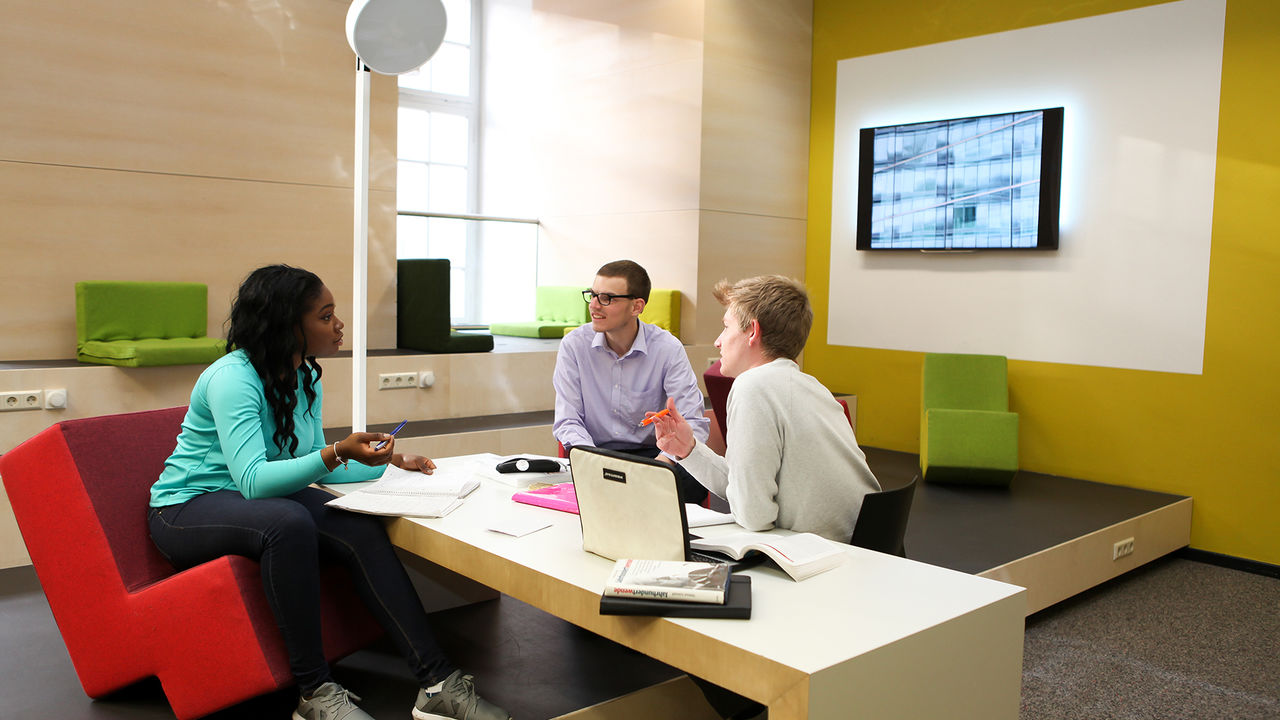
pixel 629 506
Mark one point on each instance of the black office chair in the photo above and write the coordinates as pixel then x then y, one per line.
pixel 882 521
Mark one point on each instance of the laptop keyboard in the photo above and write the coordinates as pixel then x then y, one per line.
pixel 708 557
pixel 751 559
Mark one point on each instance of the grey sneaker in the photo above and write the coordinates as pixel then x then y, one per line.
pixel 457 700
pixel 330 702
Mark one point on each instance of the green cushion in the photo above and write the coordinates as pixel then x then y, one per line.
pixel 152 352
pixel 561 304
pixel 137 324
pixel 422 310
pixel 557 308
pixel 972 382
pixel 663 310
pixel 967 434
pixel 133 310
pixel 969 446
pixel 531 329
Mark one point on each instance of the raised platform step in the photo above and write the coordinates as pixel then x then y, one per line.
pixel 1053 535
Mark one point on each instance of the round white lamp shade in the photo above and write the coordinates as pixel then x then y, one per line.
pixel 395 36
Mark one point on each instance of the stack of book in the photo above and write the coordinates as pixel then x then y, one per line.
pixel 675 589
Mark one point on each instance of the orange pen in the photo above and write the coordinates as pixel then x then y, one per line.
pixel 661 413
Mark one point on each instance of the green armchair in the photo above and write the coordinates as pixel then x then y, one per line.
pixel 422 311
pixel 663 310
pixel 557 309
pixel 967 434
pixel 144 324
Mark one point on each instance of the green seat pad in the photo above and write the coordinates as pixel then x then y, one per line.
pixel 151 352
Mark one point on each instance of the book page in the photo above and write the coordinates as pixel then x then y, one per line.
pixel 800 548
pixel 453 482
pixel 801 555
pixel 699 516
pixel 396 505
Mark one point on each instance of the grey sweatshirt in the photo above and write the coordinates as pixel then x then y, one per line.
pixel 792 460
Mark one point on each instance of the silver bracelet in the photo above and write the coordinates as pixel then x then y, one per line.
pixel 338 457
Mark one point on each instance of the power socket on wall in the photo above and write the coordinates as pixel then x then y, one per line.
pixel 22 400
pixel 1122 548
pixel 395 381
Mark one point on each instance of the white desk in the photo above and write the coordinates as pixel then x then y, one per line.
pixel 879 637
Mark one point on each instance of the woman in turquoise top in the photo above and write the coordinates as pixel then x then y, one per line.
pixel 238 483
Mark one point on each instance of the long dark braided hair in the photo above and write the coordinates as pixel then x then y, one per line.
pixel 265 320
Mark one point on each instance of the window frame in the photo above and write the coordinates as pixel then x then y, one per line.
pixel 469 107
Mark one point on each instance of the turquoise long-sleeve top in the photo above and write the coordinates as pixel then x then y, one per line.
pixel 226 441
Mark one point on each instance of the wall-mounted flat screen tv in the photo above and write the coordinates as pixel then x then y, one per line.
pixel 988 182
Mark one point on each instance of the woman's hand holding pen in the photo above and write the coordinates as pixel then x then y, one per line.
pixel 673 434
pixel 361 447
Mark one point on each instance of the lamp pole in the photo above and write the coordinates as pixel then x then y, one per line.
pixel 391 37
pixel 360 254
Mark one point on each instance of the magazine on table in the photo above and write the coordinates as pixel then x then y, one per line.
pixel 668 580
pixel 737 604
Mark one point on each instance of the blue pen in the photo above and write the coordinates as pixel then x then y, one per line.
pixel 383 444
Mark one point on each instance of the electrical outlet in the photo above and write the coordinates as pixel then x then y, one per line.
pixel 395 381
pixel 22 400
pixel 1122 548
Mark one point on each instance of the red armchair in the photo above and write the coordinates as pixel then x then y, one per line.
pixel 79 491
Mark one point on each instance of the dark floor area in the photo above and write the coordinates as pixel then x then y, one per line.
pixel 975 528
pixel 534 664
pixel 1175 639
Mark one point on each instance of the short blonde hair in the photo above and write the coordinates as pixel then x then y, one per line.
pixel 779 303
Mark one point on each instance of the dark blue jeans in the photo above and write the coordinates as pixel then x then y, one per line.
pixel 290 536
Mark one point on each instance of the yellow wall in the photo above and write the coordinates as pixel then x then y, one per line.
pixel 1215 436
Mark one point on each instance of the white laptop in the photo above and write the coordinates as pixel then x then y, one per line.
pixel 629 506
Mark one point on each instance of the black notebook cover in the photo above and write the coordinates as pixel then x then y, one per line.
pixel 737 605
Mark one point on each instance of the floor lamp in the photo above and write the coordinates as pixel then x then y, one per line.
pixel 389 37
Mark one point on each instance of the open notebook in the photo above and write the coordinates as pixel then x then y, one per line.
pixel 412 494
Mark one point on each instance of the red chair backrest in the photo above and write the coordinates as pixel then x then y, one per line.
pixel 118 457
pixel 718 386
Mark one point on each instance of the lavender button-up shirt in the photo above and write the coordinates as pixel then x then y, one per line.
pixel 601 398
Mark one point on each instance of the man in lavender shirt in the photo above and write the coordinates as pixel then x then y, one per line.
pixel 612 371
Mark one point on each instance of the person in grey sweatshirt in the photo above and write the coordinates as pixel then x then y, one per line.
pixel 791 460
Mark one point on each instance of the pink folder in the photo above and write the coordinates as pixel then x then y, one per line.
pixel 557 497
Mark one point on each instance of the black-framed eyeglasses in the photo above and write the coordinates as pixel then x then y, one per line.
pixel 605 298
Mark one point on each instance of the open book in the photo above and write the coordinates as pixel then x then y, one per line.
pixel 802 555
pixel 668 580
pixel 411 494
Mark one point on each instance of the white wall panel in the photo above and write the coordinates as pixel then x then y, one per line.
pixel 1128 287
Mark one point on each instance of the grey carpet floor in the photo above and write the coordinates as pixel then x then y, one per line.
pixel 1174 639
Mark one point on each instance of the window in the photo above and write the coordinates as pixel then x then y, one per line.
pixel 438 150
pixel 441 192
